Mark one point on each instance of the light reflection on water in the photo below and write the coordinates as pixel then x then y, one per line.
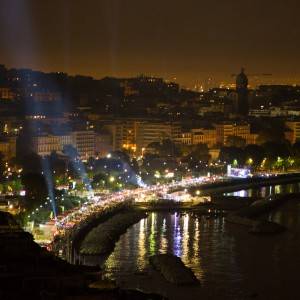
pixel 193 239
pixel 227 260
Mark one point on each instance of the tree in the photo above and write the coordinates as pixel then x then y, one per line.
pixel 31 163
pixel 273 150
pixel 296 149
pixel 99 180
pixel 134 166
pixel 199 152
pixel 230 154
pixel 71 152
pixel 36 189
pixel 185 149
pixel 267 130
pixel 121 155
pixel 16 185
pixel 57 164
pixel 256 153
pixel 2 166
pixel 235 141
pixel 165 148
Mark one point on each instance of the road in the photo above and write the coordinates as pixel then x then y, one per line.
pixel 101 203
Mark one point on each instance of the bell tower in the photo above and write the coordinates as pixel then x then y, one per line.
pixel 242 91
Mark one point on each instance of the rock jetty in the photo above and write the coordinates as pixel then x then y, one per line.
pixel 101 239
pixel 173 269
pixel 246 216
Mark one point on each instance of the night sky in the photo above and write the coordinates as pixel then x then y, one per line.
pixel 190 40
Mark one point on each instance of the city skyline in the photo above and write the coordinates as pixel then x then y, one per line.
pixel 255 79
pixel 190 42
pixel 149 149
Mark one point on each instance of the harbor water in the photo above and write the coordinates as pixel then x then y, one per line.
pixel 229 262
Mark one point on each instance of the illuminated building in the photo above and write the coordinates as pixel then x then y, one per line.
pixel 6 93
pixel 84 142
pixel 214 154
pixel 184 138
pixel 128 89
pixel 198 136
pixel 10 125
pixel 260 112
pixel 289 135
pixel 149 132
pixel 206 136
pixel 122 134
pixel 103 144
pixel 42 118
pixel 46 144
pixel 251 138
pixel 276 111
pixel 45 96
pixel 226 129
pixel 136 135
pixel 8 147
pixel 294 135
pixel 213 108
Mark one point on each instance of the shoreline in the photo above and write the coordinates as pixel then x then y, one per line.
pixel 150 281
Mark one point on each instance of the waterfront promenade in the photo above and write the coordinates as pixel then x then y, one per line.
pixel 79 221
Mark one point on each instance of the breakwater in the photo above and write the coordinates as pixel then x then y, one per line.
pixel 248 215
pixel 173 269
pixel 68 242
pixel 245 183
pixel 101 239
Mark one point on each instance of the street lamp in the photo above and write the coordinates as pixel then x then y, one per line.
pixel 250 161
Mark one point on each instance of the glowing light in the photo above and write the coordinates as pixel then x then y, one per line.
pixel 250 161
pixel 157 174
pixel 169 175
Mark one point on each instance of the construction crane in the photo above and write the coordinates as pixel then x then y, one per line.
pixel 254 75
pixel 256 81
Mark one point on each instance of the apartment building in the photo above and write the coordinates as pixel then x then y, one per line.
pixel 206 136
pixel 8 147
pixel 294 134
pixel 83 141
pixel 224 130
pixel 136 135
